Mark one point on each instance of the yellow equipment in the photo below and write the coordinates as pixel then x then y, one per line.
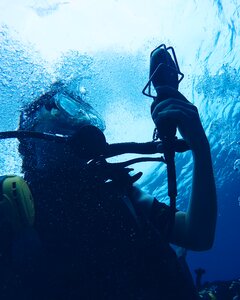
pixel 16 203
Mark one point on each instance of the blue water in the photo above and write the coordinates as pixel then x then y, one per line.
pixel 206 40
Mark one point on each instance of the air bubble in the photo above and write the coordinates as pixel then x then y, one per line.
pixel 236 165
pixel 82 90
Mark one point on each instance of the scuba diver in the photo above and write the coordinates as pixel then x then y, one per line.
pixel 101 236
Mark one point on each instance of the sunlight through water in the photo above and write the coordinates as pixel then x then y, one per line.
pixel 101 50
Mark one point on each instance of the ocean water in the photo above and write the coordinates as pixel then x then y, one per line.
pixel 101 49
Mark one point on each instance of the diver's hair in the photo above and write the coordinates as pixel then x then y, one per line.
pixel 27 121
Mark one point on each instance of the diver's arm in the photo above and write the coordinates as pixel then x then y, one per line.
pixel 195 229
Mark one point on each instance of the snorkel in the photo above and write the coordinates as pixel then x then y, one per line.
pixel 165 77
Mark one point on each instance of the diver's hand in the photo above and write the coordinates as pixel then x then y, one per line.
pixel 184 114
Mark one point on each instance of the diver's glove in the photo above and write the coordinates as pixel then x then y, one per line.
pixel 104 172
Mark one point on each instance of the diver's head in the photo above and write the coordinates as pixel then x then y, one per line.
pixel 58 112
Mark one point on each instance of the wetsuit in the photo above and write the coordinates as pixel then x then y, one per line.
pixel 95 244
pixel 98 248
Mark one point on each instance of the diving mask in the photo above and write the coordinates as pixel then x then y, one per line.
pixel 75 110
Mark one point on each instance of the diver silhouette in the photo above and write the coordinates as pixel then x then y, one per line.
pixel 101 236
